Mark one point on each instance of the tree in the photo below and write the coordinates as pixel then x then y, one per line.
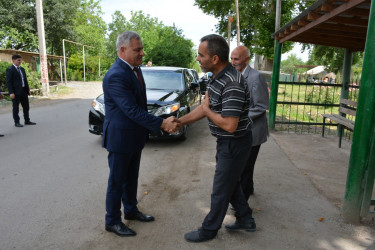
pixel 89 25
pixel 172 49
pixel 257 21
pixel 19 29
pixel 289 65
pixel 332 58
pixel 163 45
pixel 18 25
pixel 59 16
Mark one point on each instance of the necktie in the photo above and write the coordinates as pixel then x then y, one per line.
pixel 139 75
pixel 19 71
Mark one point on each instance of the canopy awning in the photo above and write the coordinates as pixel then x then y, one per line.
pixel 334 23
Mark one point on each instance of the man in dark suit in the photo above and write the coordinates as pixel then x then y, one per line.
pixel 125 132
pixel 19 90
pixel 259 103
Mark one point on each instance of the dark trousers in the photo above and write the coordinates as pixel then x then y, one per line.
pixel 24 100
pixel 231 157
pixel 247 182
pixel 122 185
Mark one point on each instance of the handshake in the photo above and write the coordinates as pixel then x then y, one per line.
pixel 171 124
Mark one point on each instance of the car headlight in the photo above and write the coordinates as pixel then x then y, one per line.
pixel 165 110
pixel 98 106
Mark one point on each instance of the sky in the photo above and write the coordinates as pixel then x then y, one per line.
pixel 181 13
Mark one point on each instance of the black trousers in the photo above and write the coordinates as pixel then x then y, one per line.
pixel 231 157
pixel 24 100
pixel 247 182
pixel 122 185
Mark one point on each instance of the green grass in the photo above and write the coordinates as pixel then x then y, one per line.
pixel 60 90
pixel 307 113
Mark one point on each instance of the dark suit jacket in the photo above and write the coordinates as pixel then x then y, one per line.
pixel 127 121
pixel 14 81
pixel 259 103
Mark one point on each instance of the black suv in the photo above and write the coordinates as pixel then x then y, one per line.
pixel 171 91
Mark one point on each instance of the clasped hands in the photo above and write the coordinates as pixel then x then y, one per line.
pixel 171 124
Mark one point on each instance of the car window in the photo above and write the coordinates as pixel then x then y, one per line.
pixel 163 79
pixel 188 78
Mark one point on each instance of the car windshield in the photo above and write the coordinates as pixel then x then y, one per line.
pixel 163 79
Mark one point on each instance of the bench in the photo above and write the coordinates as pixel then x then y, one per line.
pixel 347 107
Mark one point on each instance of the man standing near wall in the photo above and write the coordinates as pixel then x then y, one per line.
pixel 259 103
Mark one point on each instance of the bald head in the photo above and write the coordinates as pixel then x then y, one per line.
pixel 240 58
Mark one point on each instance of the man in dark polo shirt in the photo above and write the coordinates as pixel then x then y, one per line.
pixel 226 105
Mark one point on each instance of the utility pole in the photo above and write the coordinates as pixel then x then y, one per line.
pixel 238 24
pixel 278 15
pixel 42 47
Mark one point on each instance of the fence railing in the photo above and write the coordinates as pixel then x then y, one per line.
pixel 300 105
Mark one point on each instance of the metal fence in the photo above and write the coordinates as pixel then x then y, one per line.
pixel 300 106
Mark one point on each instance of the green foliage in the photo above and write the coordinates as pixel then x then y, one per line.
pixel 18 25
pixel 90 27
pixel 172 49
pixel 257 21
pixel 289 65
pixel 322 94
pixel 332 58
pixel 59 16
pixel 3 68
pixel 163 45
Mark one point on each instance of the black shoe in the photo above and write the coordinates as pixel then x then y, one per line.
pixel 1 135
pixel 140 217
pixel 198 236
pixel 30 123
pixel 19 125
pixel 248 226
pixel 120 229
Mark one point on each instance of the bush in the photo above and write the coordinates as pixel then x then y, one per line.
pixel 3 68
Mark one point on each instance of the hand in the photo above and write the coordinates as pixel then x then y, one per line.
pixel 12 96
pixel 171 124
pixel 206 103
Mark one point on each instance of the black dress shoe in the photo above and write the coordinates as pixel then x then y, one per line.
pixel 198 236
pixel 248 226
pixel 1 135
pixel 140 217
pixel 120 229
pixel 19 125
pixel 30 123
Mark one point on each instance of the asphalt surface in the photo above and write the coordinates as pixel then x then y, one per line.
pixel 53 181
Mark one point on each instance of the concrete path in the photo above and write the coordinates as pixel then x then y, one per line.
pixel 299 189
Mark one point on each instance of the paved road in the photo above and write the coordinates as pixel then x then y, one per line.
pixel 53 180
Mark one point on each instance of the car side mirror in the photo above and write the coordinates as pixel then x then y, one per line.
pixel 194 85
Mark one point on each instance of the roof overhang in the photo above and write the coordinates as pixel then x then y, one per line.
pixel 33 54
pixel 334 23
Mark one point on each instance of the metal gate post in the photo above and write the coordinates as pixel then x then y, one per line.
pixel 363 134
pixel 275 84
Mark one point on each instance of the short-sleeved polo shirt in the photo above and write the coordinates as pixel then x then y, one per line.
pixel 229 96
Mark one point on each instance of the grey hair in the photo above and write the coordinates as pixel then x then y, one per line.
pixel 124 38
